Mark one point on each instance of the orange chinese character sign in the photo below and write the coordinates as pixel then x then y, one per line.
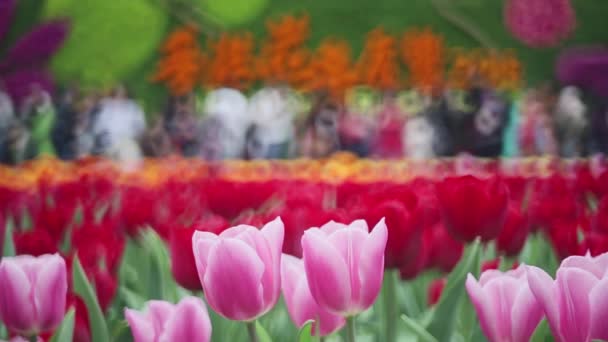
pixel 231 61
pixel 182 62
pixel 283 57
pixel 423 52
pixel 378 65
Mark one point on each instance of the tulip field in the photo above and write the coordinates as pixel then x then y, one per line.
pixel 341 249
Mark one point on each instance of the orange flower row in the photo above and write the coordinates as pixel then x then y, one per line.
pixel 231 61
pixel 335 169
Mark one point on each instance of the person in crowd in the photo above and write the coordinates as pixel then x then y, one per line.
pixel 118 119
pixel 156 143
pixel 320 138
pixel 18 144
pixel 181 123
pixel 272 130
pixel 38 113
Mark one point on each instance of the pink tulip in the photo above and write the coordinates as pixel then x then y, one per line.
pixel 187 320
pixel 300 304
pixel 32 293
pixel 240 269
pixel 576 303
pixel 506 307
pixel 345 265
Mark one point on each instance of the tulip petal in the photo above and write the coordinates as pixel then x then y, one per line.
pixel 574 286
pixel 489 275
pixel 371 264
pixel 326 272
pixel 190 322
pixel 235 231
pixel 360 225
pixel 141 328
pixel 158 313
pixel 50 290
pixel 349 244
pixel 274 233
pixel 18 311
pixel 525 305
pixel 292 269
pixel 329 323
pixel 599 310
pixel 482 306
pixel 332 226
pixel 271 281
pixel 544 290
pixel 584 263
pixel 501 293
pixel 201 245
pixel 233 280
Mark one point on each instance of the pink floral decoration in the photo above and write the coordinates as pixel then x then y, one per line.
pixel 540 23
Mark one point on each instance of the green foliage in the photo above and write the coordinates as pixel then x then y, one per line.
pixel 444 321
pixel 9 245
pixel 66 330
pixel 234 13
pixel 109 39
pixel 82 287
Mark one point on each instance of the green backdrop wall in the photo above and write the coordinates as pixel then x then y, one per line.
pixel 352 19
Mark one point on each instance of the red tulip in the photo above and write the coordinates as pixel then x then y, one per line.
pixel 490 265
pixel 596 243
pixel 435 290
pixel 230 198
pixel 600 222
pixel 55 219
pixel 514 232
pixel 137 208
pixel 3 223
pixel 518 187
pixel 444 250
pixel 404 231
pixel 97 245
pixel 183 265
pixel 34 242
pixel 473 207
pixel 554 198
pixel 566 238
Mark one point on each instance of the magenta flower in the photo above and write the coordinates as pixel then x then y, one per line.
pixel 540 23
pixel 345 265
pixel 32 293
pixel 576 304
pixel 507 309
pixel 240 269
pixel 187 320
pixel 300 303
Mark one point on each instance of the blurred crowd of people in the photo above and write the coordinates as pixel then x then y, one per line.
pixel 276 122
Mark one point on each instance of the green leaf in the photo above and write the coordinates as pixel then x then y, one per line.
pixel 9 245
pixel 133 299
pixel 161 282
pixel 418 330
pixel 446 313
pixel 82 287
pixel 263 335
pixel 541 332
pixel 305 334
pixel 66 329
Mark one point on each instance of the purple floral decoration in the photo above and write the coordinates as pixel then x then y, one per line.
pixel 586 68
pixel 25 62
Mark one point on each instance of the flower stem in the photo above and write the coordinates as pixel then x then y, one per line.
pixel 350 329
pixel 33 338
pixel 253 336
pixel 390 305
